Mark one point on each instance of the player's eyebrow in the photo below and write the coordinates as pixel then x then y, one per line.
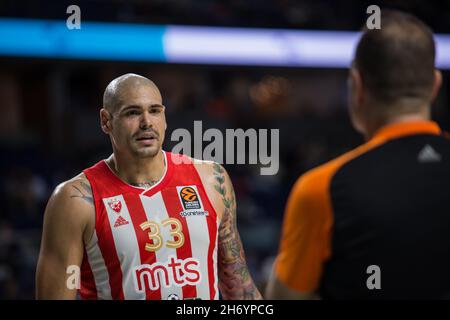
pixel 129 107
pixel 155 105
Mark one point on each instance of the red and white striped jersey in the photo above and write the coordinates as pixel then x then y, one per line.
pixel 156 243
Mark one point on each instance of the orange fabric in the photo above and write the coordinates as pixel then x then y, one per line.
pixel 306 236
pixel 400 129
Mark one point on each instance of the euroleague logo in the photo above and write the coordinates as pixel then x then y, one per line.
pixel 188 194
pixel 189 198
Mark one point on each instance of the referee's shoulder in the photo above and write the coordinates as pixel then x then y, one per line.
pixel 319 178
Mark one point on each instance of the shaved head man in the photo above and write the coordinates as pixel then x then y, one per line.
pixel 126 94
pixel 113 95
pixel 143 223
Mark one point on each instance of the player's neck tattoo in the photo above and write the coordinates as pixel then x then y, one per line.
pixel 147 184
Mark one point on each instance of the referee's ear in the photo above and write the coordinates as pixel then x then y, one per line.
pixel 105 122
pixel 357 87
pixel 436 85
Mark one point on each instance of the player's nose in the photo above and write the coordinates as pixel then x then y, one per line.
pixel 146 121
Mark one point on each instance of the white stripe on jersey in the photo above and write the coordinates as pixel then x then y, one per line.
pixel 98 267
pixel 127 247
pixel 156 211
pixel 198 232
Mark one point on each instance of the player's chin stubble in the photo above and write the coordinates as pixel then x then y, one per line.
pixel 146 152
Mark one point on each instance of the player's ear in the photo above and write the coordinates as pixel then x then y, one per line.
pixel 105 120
pixel 165 122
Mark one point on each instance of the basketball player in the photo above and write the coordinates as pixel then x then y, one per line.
pixel 375 222
pixel 143 223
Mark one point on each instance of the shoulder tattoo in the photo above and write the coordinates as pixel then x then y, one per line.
pixel 83 190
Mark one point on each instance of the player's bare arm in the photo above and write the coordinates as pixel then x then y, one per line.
pixel 68 224
pixel 235 282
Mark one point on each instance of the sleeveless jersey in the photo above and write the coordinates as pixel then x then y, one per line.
pixel 156 243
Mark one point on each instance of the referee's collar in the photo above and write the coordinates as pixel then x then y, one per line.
pixel 399 129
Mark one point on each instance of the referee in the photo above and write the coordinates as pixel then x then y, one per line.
pixel 375 222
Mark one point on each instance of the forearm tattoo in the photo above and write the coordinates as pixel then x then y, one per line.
pixel 84 192
pixel 235 281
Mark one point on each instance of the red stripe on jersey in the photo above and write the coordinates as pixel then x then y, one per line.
pixel 109 253
pixel 138 216
pixel 170 197
pixel 88 290
pixel 103 230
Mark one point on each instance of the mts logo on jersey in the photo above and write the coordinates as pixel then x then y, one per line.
pixel 173 272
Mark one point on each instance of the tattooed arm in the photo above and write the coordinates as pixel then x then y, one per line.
pixel 235 282
pixel 68 224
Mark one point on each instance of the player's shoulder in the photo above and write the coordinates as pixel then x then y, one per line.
pixel 211 170
pixel 68 185
pixel 71 189
pixel 205 168
pixel 72 203
pixel 208 165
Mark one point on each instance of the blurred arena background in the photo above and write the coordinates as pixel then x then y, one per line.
pixel 49 122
